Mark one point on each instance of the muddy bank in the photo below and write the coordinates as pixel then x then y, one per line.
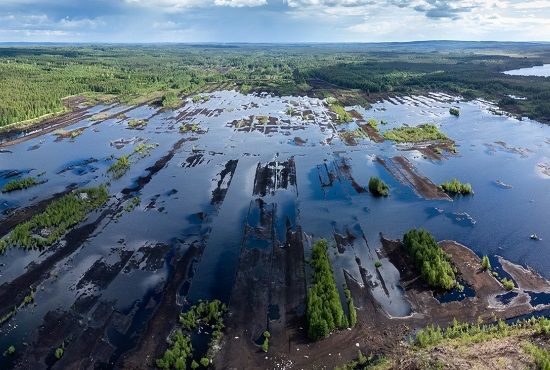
pixel 427 309
pixel 13 292
pixel 525 278
pixel 405 172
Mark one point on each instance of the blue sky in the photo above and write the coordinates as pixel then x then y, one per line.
pixel 272 20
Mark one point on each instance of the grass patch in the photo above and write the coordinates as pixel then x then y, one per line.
pixel 425 132
pixel 49 226
pixel 342 116
pixel 19 184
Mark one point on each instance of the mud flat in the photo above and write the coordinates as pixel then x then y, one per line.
pixel 525 278
pixel 428 310
pixel 404 171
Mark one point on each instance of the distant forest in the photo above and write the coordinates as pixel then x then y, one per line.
pixel 35 79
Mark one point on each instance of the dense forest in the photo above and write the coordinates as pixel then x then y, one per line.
pixel 35 79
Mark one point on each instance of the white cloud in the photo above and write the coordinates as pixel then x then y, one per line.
pixel 178 5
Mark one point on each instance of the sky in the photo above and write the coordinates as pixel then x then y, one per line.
pixel 284 21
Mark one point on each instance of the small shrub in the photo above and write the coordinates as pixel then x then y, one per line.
pixel 508 284
pixel 377 264
pixel 59 352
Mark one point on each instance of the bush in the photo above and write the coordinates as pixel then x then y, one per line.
pixel 137 123
pixel 539 355
pixel 9 351
pixel 373 123
pixel 430 259
pixel 485 263
pixel 454 187
pixel 59 352
pixel 377 264
pixel 454 112
pixel 324 310
pixel 508 284
pixel 378 188
pixel 205 362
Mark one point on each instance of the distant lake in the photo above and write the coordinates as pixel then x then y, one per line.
pixel 543 71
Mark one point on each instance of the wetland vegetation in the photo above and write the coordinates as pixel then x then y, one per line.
pixel 46 228
pixel 378 187
pixel 424 132
pixel 434 264
pixel 201 316
pixel 324 308
pixel 19 184
pixel 454 187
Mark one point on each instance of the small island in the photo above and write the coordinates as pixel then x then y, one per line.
pixel 455 187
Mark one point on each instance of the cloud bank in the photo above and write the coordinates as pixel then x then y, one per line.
pixel 272 20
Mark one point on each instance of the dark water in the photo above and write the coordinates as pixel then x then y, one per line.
pixel 178 208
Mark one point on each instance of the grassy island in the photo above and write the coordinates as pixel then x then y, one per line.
pixel 20 184
pixel 425 132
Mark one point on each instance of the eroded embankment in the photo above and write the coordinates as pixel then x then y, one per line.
pixel 404 171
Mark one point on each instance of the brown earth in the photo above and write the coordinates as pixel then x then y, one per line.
pixel 404 171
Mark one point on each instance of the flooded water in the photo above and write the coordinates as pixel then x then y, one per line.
pixel 542 71
pixel 239 181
